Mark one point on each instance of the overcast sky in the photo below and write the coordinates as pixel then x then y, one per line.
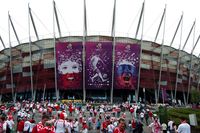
pixel 99 19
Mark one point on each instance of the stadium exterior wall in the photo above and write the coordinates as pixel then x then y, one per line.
pixel 43 65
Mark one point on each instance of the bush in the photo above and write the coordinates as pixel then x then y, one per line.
pixel 176 113
pixel 163 114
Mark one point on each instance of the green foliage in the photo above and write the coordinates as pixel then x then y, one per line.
pixel 163 114
pixel 176 113
pixel 195 96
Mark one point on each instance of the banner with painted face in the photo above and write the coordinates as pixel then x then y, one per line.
pixel 69 65
pixel 126 65
pixel 98 65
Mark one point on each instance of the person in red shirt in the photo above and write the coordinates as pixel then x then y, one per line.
pixel 150 115
pixel 105 124
pixel 121 126
pixel 20 125
pixel 133 124
pixel 40 127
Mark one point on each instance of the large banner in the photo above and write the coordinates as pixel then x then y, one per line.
pixel 98 65
pixel 69 65
pixel 126 65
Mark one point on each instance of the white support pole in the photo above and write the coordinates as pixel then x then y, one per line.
pixel 55 70
pixel 139 71
pixel 161 57
pixel 113 51
pixel 178 61
pixel 156 96
pixel 44 93
pixel 30 55
pixel 84 54
pixel 184 98
pixel 11 69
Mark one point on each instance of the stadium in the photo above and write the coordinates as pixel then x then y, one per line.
pixel 98 67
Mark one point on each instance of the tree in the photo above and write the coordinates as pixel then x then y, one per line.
pixel 195 96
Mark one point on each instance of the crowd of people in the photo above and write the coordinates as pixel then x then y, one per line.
pixel 52 117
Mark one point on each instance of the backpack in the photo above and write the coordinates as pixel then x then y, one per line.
pixel 8 130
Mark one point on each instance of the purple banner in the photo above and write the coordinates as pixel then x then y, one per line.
pixel 126 65
pixel 98 65
pixel 69 65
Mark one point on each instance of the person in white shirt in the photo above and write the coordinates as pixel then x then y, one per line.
pixel 76 126
pixel 27 126
pixel 111 127
pixel 61 124
pixel 170 122
pixel 184 127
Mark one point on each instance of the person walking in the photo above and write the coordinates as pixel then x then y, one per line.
pixel 121 126
pixel 184 127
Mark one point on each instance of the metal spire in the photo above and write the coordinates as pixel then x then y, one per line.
pixel 138 26
pixel 34 27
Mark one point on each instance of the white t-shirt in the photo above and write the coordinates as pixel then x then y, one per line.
pixel 184 128
pixel 111 128
pixel 76 126
pixel 27 126
pixel 164 126
pixel 85 130
pixel 170 125
pixel 60 126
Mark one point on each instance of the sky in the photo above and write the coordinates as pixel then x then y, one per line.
pixel 99 19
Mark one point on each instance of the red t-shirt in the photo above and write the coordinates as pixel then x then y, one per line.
pixel 20 126
pixel 133 124
pixel 105 125
pixel 39 128
pixel 117 130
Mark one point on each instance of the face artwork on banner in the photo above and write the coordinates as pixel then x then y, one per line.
pixel 69 65
pixel 98 65
pixel 126 65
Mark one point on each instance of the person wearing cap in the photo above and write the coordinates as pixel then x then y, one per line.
pixel 61 124
pixel 121 126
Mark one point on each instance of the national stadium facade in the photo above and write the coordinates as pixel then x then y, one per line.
pixel 43 74
pixel 97 68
